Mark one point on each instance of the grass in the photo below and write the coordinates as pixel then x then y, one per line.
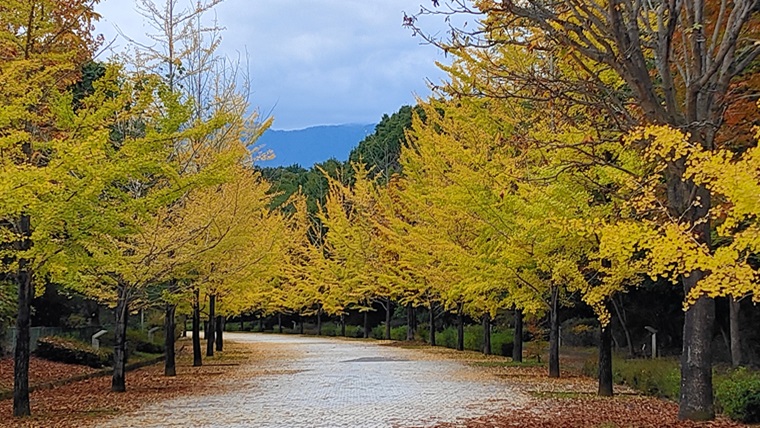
pixel 527 363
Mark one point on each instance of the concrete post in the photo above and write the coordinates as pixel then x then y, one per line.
pixel 96 338
pixel 151 332
pixel 653 331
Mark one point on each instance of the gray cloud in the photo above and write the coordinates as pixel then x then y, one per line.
pixel 317 61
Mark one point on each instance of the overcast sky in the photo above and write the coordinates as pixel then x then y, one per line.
pixel 315 62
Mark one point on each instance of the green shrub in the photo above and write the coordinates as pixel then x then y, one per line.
pixel 447 337
pixel 70 351
pixel 330 329
pixel 354 331
pixel 137 340
pixel 660 377
pixel 502 342
pixel 737 395
pixel 378 332
pixel 398 333
pixel 580 332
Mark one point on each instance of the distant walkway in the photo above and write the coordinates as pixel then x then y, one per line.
pixel 320 382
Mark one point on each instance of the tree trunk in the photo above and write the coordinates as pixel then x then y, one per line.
pixel 118 381
pixel 487 333
pixel 554 334
pixel 242 324
pixel 696 401
pixel 343 325
pixel 319 322
pixel 24 281
pixel 696 361
pixel 211 329
pixel 460 327
pixel 220 319
pixel 197 358
pixel 366 324
pixel 605 361
pixel 387 318
pixel 279 323
pixel 170 363
pixel 432 324
pixel 517 348
pixel 623 323
pixel 410 321
pixel 734 307
pixel 300 325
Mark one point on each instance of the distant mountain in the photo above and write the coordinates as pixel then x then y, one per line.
pixel 311 145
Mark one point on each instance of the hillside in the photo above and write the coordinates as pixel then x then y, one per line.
pixel 308 146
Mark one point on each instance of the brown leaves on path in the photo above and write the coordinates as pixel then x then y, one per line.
pixel 40 371
pixel 592 412
pixel 83 403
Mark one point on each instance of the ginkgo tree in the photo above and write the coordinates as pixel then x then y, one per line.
pixel 43 44
pixel 633 64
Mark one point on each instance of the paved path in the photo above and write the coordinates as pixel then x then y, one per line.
pixel 320 382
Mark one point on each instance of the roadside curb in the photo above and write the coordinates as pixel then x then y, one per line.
pixel 100 373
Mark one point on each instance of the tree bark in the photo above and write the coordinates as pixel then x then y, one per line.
pixel 696 401
pixel 170 363
pixel 734 307
pixel 24 281
pixel 220 319
pixel 605 362
pixel 343 325
pixel 279 323
pixel 300 325
pixel 197 358
pixel 410 321
pixel 366 324
pixel 517 348
pixel 319 322
pixel 387 318
pixel 211 329
pixel 487 333
pixel 696 360
pixel 184 325
pixel 460 326
pixel 554 334
pixel 432 324
pixel 118 381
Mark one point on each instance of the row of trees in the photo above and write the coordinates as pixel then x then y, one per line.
pixel 576 149
pixel 616 110
pixel 129 182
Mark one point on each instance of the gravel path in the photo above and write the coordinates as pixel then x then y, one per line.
pixel 320 382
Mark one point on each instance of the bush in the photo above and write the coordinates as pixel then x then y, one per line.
pixel 354 331
pixel 71 351
pixel 738 395
pixel 580 332
pixel 535 349
pixel 659 377
pixel 398 333
pixel 447 337
pixel 501 341
pixel 137 340
pixel 378 332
